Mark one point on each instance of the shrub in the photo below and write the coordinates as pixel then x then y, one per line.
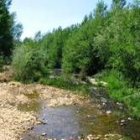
pixel 120 90
pixel 117 87
pixel 29 63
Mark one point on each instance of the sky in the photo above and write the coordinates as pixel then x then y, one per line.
pixel 45 15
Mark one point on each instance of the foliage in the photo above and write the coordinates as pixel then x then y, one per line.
pixel 54 44
pixel 81 55
pixel 61 82
pixel 117 87
pixel 29 63
pixel 120 90
pixel 10 31
pixel 108 39
pixel 5 28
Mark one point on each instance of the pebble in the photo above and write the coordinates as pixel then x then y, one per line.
pixel 43 122
pixel 93 137
pixel 30 128
pixel 108 112
pixel 121 107
pixel 122 121
pixel 129 119
pixel 88 116
pixel 121 124
pixel 103 100
pixel 118 103
pixel 43 134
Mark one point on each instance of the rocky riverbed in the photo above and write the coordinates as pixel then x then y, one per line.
pixel 36 112
pixel 16 97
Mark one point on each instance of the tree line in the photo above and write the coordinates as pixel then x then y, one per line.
pixel 106 45
pixel 106 39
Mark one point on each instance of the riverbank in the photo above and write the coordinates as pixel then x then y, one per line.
pixel 14 97
pixel 15 117
pixel 20 103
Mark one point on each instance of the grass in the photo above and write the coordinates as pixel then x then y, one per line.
pixel 120 90
pixel 66 83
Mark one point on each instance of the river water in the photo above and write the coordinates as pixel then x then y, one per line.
pixel 65 122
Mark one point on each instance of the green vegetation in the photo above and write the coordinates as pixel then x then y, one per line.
pixel 5 27
pixel 107 42
pixel 29 63
pixel 66 82
pixel 10 31
pixel 121 90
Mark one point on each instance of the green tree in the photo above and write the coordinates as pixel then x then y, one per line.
pixel 6 38
pixel 81 54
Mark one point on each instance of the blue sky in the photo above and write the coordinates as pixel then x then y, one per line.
pixel 45 15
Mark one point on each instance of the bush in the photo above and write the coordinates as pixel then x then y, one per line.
pixel 120 90
pixel 29 63
pixel 117 87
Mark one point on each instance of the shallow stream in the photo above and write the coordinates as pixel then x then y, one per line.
pixel 65 122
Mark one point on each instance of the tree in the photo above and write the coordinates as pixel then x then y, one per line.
pixel 118 4
pixel 17 31
pixel 38 36
pixel 100 10
pixel 6 38
pixel 81 53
